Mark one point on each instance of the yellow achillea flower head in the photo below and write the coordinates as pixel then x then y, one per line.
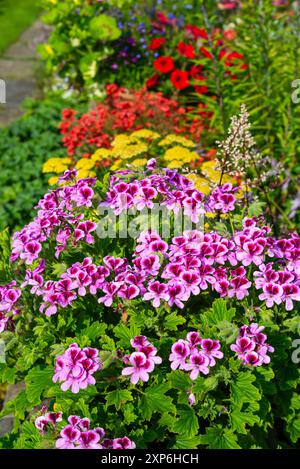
pixel 145 133
pixel 174 164
pixel 172 138
pixel 101 153
pixel 53 181
pixel 56 165
pixel 117 165
pixel 85 173
pixel 180 154
pixel 130 151
pixel 85 164
pixel 201 184
pixel 139 162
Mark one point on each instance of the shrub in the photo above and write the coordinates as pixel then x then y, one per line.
pixel 72 301
pixel 24 146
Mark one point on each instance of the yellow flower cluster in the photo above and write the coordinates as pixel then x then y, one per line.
pixel 172 151
pixel 177 156
pixel 56 165
pixel 172 138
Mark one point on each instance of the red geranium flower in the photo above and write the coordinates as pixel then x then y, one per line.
pixel 229 34
pixel 164 64
pixel 206 53
pixel 156 43
pixel 162 17
pixel 152 81
pixel 179 79
pixel 201 89
pixel 196 32
pixel 196 72
pixel 186 50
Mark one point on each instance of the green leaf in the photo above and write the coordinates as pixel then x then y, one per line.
pixel 104 28
pixel 187 424
pixel 293 428
pixel 219 438
pixel 118 398
pixel 37 381
pixel 155 400
pixel 94 331
pixel 220 313
pixel 242 389
pixel 125 334
pixel 240 419
pixel 183 442
pixel 179 380
pixel 172 321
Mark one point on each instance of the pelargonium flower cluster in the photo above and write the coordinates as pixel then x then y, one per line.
pixel 75 368
pixel 56 218
pixel 222 198
pixel 195 354
pixel 142 362
pixel 78 434
pixel 170 189
pixel 47 420
pixel 9 296
pixel 251 346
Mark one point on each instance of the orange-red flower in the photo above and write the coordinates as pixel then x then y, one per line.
pixel 156 43
pixel 164 64
pixel 186 50
pixel 152 81
pixel 180 79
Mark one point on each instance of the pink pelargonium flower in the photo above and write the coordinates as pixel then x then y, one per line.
pixel 180 351
pixel 89 440
pixel 211 349
pixel 83 231
pixel 198 363
pixel 140 369
pixel 177 294
pixel 272 293
pixel 139 341
pixel 242 346
pixel 123 443
pixel 239 288
pixel 69 435
pixel 156 292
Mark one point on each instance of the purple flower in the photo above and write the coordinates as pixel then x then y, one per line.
pixel 211 349
pixel 75 368
pixel 140 369
pixel 251 347
pixel 198 363
pixel 89 440
pixel 69 435
pixel 180 351
pixel 156 292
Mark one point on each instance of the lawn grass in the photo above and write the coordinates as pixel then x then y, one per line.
pixel 15 17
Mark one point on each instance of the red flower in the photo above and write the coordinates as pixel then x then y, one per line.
pixel 152 81
pixel 196 32
pixel 229 34
pixel 164 64
pixel 179 79
pixel 162 17
pixel 201 89
pixel 186 50
pixel 206 53
pixel 156 43
pixel 195 72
